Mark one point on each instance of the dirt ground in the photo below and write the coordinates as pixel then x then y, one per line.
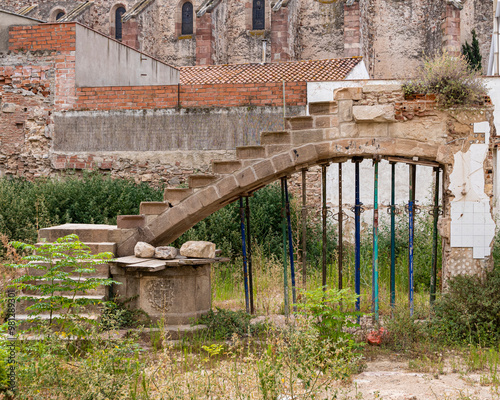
pixel 389 377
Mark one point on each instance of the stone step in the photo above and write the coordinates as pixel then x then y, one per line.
pixel 267 138
pixel 153 207
pixel 90 308
pixel 201 180
pixel 130 221
pixel 299 123
pixel 249 162
pixel 175 195
pixel 225 167
pixel 101 270
pixel 86 232
pixel 96 248
pixel 273 149
pixel 250 152
pixel 323 107
pixel 26 317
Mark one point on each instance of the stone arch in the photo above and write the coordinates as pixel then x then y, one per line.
pixel 56 14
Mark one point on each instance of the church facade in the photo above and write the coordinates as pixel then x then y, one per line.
pixel 392 36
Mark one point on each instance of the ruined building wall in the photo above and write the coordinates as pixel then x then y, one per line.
pixel 394 35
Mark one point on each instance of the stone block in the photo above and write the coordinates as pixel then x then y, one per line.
pixel 226 186
pixel 198 249
pixel 192 204
pixel 323 150
pixel 272 149
pixel 250 152
pixel 152 207
pixel 282 162
pixel 304 154
pixel 208 196
pixel 166 252
pixel 331 133
pixel 350 93
pixel 373 129
pixel 274 138
pixel 322 122
pixel 345 111
pixel 299 123
pixel 8 108
pixel 307 136
pixel 323 108
pixel 175 195
pixel 391 87
pixel 144 250
pixel 201 180
pixel 225 167
pixel 246 177
pixel 378 113
pixel 130 221
pixel 264 169
pixel 424 130
pixel 349 130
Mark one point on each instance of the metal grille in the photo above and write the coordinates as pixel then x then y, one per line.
pixel 187 19
pixel 259 15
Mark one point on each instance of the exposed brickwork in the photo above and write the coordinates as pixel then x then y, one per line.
pixel 451 30
pixel 204 40
pixel 244 94
pixel 127 97
pixel 131 34
pixel 352 32
pixel 280 47
pixel 51 37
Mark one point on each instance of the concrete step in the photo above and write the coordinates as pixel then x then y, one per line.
pixel 99 291
pixel 86 232
pixel 101 270
pixel 323 107
pixel 201 180
pixel 153 207
pixel 175 195
pixel 90 308
pixel 299 123
pixel 250 152
pixel 131 221
pixel 267 138
pixel 225 167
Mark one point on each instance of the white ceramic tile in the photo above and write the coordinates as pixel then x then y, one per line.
pixel 456 241
pixel 478 230
pixel 489 229
pixel 467 218
pixel 478 252
pixel 478 207
pixel 468 206
pixel 467 241
pixel 478 241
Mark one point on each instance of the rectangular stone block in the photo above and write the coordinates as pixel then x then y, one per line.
pixel 263 169
pixel 373 130
pixel 226 186
pixel 246 177
pixel 274 138
pixel 175 195
pixel 331 133
pixel 225 167
pixel 272 149
pixel 130 221
pixel 348 130
pixel 323 108
pixel 377 113
pixel 201 180
pixel 308 136
pixel 304 154
pixel 351 93
pixel 282 162
pixel 299 123
pixel 250 152
pixel 345 111
pixel 152 207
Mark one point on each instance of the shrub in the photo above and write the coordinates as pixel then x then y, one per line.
pixel 472 53
pixel 223 324
pixel 450 79
pixel 469 312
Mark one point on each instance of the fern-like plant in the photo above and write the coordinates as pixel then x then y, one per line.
pixel 65 267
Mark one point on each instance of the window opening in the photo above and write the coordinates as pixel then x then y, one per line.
pixel 59 15
pixel 187 19
pixel 259 18
pixel 118 23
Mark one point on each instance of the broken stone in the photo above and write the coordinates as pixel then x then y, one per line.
pixel 198 249
pixel 144 250
pixel 166 252
pixel 381 113
pixel 9 108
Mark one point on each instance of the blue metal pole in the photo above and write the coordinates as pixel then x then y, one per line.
pixel 393 235
pixel 290 245
pixel 411 207
pixel 244 252
pixel 283 230
pixel 357 236
pixel 375 245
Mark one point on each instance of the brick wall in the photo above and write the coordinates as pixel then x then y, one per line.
pixel 280 49
pixel 127 97
pixel 204 40
pixel 352 32
pixel 52 37
pixel 451 30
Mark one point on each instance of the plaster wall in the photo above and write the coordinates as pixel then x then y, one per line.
pixel 101 61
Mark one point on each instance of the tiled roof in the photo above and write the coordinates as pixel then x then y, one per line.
pixel 293 71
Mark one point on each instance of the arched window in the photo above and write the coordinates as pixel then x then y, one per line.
pixel 187 19
pixel 118 23
pixel 259 15
pixel 59 15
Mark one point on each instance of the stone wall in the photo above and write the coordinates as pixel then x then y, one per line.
pixel 393 34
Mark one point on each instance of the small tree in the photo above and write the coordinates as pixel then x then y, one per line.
pixel 472 53
pixel 65 265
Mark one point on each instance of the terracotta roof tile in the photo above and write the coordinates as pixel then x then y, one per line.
pixel 293 71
